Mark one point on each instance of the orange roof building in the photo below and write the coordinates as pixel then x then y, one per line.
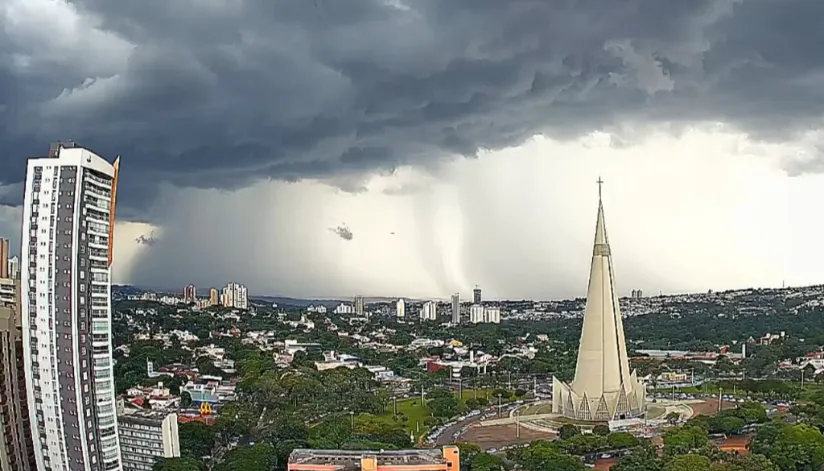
pixel 446 459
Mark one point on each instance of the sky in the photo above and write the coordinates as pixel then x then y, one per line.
pixel 327 148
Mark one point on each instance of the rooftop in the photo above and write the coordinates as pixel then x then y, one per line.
pixel 383 457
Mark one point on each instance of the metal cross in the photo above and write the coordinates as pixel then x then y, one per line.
pixel 599 182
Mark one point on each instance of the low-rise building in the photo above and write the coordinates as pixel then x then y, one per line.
pixel 146 436
pixel 446 459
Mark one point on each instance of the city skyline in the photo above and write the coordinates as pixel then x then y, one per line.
pixel 436 165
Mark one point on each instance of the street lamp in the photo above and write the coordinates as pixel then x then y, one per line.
pixel 499 404
pixel 352 414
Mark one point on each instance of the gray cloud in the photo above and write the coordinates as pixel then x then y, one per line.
pixel 223 94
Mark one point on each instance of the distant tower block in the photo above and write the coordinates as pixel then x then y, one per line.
pixel 603 388
pixel 476 295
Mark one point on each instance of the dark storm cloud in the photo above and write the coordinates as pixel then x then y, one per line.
pixel 221 93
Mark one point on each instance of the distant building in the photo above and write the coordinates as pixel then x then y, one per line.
pixel 234 295
pixel 4 258
pixel 145 436
pixel 476 314
pixel 14 267
pixel 492 315
pixel 456 308
pixel 400 308
pixel 637 293
pixel 479 314
pixel 429 312
pixel 476 295
pixel 16 452
pixel 446 459
pixel 359 305
pixel 189 294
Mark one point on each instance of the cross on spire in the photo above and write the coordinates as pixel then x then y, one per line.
pixel 599 182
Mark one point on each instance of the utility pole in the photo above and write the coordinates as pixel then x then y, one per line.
pixel 394 405
pixel 460 389
pixel 535 385
pixel 422 398
pixel 720 398
pixel 499 404
pixel 509 381
pixel 517 424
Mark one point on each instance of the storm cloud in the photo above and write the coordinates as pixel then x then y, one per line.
pixel 220 94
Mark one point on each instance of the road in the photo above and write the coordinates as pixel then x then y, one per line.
pixel 446 437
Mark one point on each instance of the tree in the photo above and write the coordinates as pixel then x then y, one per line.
pixel 736 462
pixel 542 454
pixel 568 431
pixel 688 463
pixel 467 452
pixel 600 430
pixel 644 458
pixel 185 400
pixel 486 462
pixel 196 438
pixel 790 447
pixel 186 463
pixel 621 440
pixel 673 417
pixel 258 457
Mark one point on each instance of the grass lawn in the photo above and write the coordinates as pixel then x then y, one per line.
pixel 416 414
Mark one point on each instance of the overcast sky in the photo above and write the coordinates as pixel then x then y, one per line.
pixel 420 147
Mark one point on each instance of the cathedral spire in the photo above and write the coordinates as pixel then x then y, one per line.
pixel 603 387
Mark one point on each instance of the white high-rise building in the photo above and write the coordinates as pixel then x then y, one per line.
pixel 456 308
pixel 492 315
pixel 429 311
pixel 234 295
pixel 68 225
pixel 477 314
pixel 400 308
pixel 14 267
pixel 603 388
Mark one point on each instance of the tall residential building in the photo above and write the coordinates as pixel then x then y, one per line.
pixel 456 308
pixel 234 295
pixel 400 308
pixel 145 436
pixel 492 315
pixel 446 459
pixel 14 267
pixel 429 312
pixel 603 388
pixel 68 225
pixel 358 305
pixel 189 294
pixel 476 295
pixel 476 314
pixel 4 258
pixel 16 453
pixel 214 297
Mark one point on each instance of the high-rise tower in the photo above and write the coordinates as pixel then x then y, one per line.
pixel 68 225
pixel 456 308
pixel 603 388
pixel 476 295
pixel 16 453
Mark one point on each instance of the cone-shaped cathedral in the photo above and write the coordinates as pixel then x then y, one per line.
pixel 603 388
